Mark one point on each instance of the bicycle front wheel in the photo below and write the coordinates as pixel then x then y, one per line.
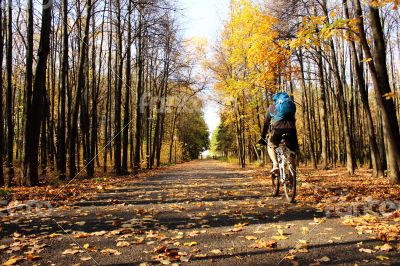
pixel 290 184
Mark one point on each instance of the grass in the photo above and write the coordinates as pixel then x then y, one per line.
pixel 4 194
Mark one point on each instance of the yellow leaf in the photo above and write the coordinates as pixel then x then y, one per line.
pixel 13 261
pixel 53 235
pixel 389 95
pixel 290 257
pixel 264 244
pixel 366 250
pixel 85 258
pixel 109 251
pixel 190 244
pixel 123 244
pixel 279 237
pixel 380 257
pixel 366 60
pixel 385 247
pixel 216 251
pixel 70 251
pixel 324 259
pixel 165 262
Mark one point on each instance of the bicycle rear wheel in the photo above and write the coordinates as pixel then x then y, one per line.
pixel 275 185
pixel 290 184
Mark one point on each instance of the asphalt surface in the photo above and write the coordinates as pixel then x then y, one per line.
pixel 199 213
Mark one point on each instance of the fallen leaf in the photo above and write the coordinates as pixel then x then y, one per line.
pixel 32 257
pixel 123 244
pixel 216 251
pixel 324 259
pixel 109 251
pixel 165 262
pixel 305 230
pixel 280 237
pixel 264 244
pixel 251 237
pixel 382 257
pixel 13 261
pixel 190 244
pixel 184 259
pixel 366 250
pixel 290 257
pixel 100 233
pixel 385 247
pixel 70 252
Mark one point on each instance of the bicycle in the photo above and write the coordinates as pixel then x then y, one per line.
pixel 287 171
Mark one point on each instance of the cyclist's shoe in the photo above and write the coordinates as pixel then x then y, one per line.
pixel 274 169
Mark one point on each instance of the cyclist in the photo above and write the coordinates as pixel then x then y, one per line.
pixel 280 121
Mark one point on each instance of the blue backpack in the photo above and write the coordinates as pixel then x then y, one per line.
pixel 285 107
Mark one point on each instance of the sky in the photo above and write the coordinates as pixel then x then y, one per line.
pixel 203 18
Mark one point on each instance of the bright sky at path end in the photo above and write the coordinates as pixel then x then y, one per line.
pixel 204 19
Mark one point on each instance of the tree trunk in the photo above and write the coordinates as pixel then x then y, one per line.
pixel 39 88
pixel 323 110
pixel 308 127
pixel 62 158
pixel 375 155
pixel 342 106
pixel 27 95
pixel 1 98
pixel 10 128
pixel 43 137
pixel 81 83
pixel 127 119
pixel 140 67
pixel 380 79
pixel 118 95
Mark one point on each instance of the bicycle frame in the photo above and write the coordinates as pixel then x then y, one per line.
pixel 283 154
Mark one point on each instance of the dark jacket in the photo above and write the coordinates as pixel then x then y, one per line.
pixel 282 124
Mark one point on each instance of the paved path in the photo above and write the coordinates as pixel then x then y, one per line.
pixel 200 213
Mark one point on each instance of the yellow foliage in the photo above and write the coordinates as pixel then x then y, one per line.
pixel 253 51
pixel 248 62
pixel 380 3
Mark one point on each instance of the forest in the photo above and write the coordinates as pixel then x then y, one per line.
pixel 95 87
pixel 340 62
pixel 108 155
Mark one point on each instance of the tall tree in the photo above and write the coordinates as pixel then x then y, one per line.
pixel 139 88
pixel 375 155
pixel 79 90
pixel 38 98
pixel 1 96
pixel 380 80
pixel 28 96
pixel 128 70
pixel 118 92
pixel 9 98
pixel 62 157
